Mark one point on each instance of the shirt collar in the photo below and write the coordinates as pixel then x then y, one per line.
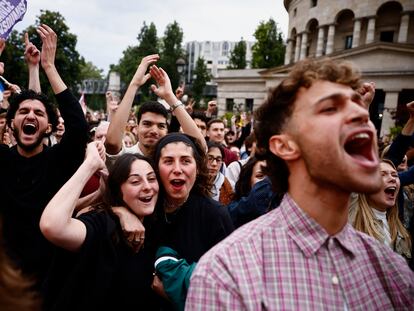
pixel 309 234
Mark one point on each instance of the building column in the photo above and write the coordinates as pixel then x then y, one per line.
pixel 297 48
pixel 390 106
pixel 371 30
pixel 321 36
pixel 304 45
pixel 288 54
pixel 331 37
pixel 403 33
pixel 357 33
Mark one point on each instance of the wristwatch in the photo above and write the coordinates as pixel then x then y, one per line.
pixel 176 105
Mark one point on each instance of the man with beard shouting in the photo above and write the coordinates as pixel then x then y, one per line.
pixel 31 173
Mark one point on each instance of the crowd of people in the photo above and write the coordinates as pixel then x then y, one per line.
pixel 174 209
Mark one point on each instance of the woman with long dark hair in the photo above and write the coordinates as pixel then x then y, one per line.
pixel 99 270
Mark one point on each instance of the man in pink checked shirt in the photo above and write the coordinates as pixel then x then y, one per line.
pixel 320 146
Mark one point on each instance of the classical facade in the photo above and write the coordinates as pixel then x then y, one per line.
pixel 377 35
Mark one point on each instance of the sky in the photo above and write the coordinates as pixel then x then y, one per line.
pixel 106 28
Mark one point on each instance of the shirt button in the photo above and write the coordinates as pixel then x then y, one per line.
pixel 335 280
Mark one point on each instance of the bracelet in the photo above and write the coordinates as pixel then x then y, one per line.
pixel 176 105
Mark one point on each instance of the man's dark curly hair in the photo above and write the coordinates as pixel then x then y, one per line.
pixel 17 99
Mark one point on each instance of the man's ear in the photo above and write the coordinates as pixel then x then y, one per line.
pixel 49 128
pixel 284 147
pixel 12 124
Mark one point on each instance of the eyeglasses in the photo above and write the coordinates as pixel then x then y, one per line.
pixel 211 159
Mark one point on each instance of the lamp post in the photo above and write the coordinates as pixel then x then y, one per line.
pixel 180 63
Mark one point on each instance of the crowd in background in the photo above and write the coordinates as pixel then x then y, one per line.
pixel 114 210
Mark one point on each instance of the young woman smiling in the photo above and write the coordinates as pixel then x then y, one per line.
pixel 103 272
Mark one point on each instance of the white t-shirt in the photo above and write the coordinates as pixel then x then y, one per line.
pixel 382 216
pixel 111 158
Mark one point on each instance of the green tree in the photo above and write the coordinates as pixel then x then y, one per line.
pixel 269 49
pixel 15 69
pixel 68 61
pixel 171 51
pixel 202 77
pixel 148 43
pixel 89 70
pixel 238 56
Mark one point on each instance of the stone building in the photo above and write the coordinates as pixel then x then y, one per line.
pixel 377 35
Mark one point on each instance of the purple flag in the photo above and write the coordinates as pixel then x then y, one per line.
pixel 11 12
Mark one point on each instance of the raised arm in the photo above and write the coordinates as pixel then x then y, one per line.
pixel 56 223
pixel 164 90
pixel 367 90
pixel 47 58
pixel 113 142
pixel 32 57
pixel 403 141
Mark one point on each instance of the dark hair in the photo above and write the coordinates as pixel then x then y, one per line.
pixel 214 121
pixel 243 186
pixel 212 144
pixel 272 116
pixel 248 142
pixel 199 115
pixel 154 107
pixel 118 174
pixel 202 183
pixel 17 99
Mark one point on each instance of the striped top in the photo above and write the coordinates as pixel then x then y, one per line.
pixel 285 260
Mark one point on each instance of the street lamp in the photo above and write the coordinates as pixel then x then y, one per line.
pixel 180 63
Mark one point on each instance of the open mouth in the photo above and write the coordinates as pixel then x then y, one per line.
pixel 29 129
pixel 177 182
pixel 359 146
pixel 146 199
pixel 391 190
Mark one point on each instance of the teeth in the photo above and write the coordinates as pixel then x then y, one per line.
pixel 360 136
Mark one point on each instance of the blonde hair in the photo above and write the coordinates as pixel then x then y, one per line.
pixel 365 219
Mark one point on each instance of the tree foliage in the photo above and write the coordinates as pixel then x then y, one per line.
pixel 172 51
pixel 202 77
pixel 238 56
pixel 269 49
pixel 147 44
pixel 169 48
pixel 89 70
pixel 68 61
pixel 15 69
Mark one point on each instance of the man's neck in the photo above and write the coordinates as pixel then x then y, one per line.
pixel 326 205
pixel 30 153
pixel 143 150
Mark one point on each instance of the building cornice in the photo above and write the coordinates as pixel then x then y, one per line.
pixel 376 46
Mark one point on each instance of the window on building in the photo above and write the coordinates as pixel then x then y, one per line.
pixel 314 3
pixel 225 50
pixel 209 62
pixel 249 104
pixel 229 104
pixel 294 12
pixel 387 36
pixel 348 42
